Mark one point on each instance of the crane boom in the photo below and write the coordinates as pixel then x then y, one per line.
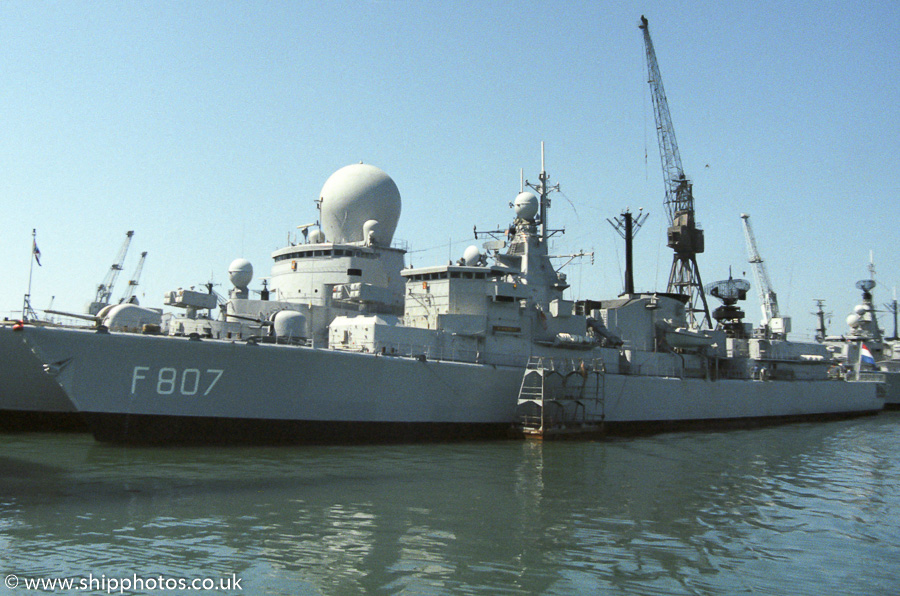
pixel 678 187
pixel 133 282
pixel 768 301
pixel 104 290
pixel 772 322
pixel 684 237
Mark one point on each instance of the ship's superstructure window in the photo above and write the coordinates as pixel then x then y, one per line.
pixel 338 252
pixel 446 275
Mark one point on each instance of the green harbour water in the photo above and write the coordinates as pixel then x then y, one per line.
pixel 796 509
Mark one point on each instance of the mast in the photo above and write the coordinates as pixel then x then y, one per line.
pixel 27 311
pixel 893 309
pixel 543 191
pixel 628 227
pixel 820 315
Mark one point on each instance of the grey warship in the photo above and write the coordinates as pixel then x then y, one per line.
pixel 864 348
pixel 346 346
pixel 29 399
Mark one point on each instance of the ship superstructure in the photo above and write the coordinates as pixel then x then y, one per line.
pixel 864 350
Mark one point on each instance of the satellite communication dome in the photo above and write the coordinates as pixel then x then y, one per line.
pixel 852 320
pixel 860 309
pixel 471 256
pixel 355 194
pixel 526 205
pixel 371 231
pixel 316 236
pixel 240 272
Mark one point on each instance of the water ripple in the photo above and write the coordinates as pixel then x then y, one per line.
pixel 813 507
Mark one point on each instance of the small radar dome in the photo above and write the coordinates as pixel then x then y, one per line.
pixel 852 320
pixel 526 205
pixel 370 232
pixel 471 256
pixel 355 194
pixel 860 309
pixel 316 236
pixel 240 272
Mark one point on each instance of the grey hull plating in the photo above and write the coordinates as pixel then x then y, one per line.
pixel 137 388
pixel 30 400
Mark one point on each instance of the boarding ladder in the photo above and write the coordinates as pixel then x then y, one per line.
pixel 561 396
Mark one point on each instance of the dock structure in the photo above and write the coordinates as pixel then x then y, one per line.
pixel 561 398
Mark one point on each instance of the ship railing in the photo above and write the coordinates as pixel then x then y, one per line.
pixel 446 354
pixel 563 366
pixel 870 377
pixel 566 366
pixel 640 370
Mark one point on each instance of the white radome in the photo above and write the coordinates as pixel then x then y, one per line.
pixel 354 195
pixel 526 205
pixel 240 272
pixel 471 256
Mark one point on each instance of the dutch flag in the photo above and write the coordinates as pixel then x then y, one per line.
pixel 865 356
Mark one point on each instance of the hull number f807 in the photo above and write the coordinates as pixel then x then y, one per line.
pixel 173 381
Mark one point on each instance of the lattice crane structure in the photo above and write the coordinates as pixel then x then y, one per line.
pixel 129 297
pixel 684 237
pixel 772 323
pixel 105 289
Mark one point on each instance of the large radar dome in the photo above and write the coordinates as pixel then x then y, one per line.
pixel 354 195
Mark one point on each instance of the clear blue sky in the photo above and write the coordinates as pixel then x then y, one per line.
pixel 210 127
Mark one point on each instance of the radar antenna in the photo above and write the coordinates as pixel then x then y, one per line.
pixel 867 285
pixel 684 237
pixel 729 316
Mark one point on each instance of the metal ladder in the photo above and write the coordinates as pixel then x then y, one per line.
pixel 555 394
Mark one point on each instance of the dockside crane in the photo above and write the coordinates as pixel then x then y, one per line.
pixel 684 237
pixel 104 290
pixel 772 323
pixel 133 282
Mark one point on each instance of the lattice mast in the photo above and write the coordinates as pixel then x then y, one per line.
pixel 683 235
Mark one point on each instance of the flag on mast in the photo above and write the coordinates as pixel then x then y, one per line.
pixel 865 356
pixel 37 253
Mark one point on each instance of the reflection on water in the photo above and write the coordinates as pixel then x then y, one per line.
pixel 813 507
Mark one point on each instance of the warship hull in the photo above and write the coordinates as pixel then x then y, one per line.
pixel 892 382
pixel 30 400
pixel 151 389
